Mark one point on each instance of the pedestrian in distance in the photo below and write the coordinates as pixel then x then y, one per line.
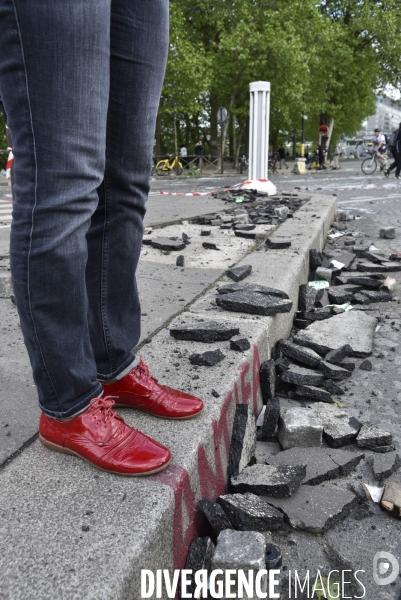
pixel 395 147
pixel 380 147
pixel 321 157
pixel 183 153
pixel 198 152
pixel 281 152
pixel 81 83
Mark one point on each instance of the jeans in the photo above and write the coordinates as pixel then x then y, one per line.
pixel 81 83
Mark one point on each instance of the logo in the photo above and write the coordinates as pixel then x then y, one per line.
pixel 385 568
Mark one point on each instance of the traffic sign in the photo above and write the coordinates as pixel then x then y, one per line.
pixel 323 130
pixel 221 115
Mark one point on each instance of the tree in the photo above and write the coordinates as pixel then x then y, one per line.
pixel 338 53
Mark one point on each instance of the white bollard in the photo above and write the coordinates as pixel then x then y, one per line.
pixel 259 129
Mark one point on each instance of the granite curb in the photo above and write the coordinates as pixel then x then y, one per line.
pixel 69 532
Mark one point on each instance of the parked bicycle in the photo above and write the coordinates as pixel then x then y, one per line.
pixel 272 164
pixel 168 165
pixel 369 165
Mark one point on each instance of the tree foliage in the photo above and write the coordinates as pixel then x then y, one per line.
pixel 335 53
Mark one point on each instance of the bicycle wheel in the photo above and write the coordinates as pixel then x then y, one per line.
pixel 178 168
pixel 369 166
pixel 162 167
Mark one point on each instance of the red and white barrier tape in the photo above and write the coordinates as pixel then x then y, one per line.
pixel 9 163
pixel 187 194
pixel 230 187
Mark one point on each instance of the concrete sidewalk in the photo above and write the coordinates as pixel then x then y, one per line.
pixel 70 532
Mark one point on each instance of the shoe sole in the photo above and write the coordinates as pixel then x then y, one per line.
pixel 118 405
pixel 68 451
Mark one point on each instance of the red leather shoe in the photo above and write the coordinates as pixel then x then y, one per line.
pixel 100 436
pixel 139 389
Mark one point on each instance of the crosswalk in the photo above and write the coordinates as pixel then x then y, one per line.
pixel 6 207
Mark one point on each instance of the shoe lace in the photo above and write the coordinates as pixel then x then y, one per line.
pixel 142 371
pixel 102 409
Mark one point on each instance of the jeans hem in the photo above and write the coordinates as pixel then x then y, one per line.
pixel 114 374
pixel 75 408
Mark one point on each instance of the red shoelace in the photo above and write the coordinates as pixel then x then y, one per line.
pixel 142 371
pixel 104 406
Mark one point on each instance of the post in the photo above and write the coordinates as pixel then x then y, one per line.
pixel 221 149
pixel 303 128
pixel 259 129
pixel 221 119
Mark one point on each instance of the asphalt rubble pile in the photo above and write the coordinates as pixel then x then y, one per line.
pixel 290 470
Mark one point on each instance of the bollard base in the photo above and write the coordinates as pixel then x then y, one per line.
pixel 299 166
pixel 262 186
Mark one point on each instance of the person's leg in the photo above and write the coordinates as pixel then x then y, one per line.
pixel 397 160
pixel 138 53
pixel 54 80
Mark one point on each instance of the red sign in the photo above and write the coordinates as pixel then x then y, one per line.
pixel 323 130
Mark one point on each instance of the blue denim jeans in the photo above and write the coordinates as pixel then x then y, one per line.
pixel 81 83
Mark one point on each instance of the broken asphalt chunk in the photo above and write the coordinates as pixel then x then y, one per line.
pixel 204 331
pixel 303 355
pixel 271 417
pixel 383 449
pixel 163 243
pixel 339 295
pixel 248 512
pixel 267 380
pixel 210 246
pixel 323 273
pixel 253 303
pixel 371 436
pixel 240 344
pixel 215 515
pixel 375 296
pixel 339 428
pixel 243 439
pixel 333 388
pixel 207 359
pixel 269 480
pixel 322 464
pixel 315 508
pixel 199 557
pixel 307 298
pixel 299 427
pixel 180 261
pixel 315 259
pixel 385 464
pixel 302 376
pixel 313 393
pixel 277 243
pixel 353 327
pixel 333 371
pixel 239 273
pixel 230 288
pixel 336 356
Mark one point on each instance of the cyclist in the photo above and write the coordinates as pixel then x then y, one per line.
pixel 380 146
